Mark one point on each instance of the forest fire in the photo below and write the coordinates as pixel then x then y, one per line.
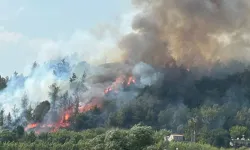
pixel 30 126
pixel 119 83
pixel 64 121
pixel 66 117
pixel 87 107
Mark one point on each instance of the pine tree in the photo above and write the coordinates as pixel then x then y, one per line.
pixel 9 119
pixel 24 102
pixel 77 102
pixel 76 108
pixel 84 87
pixel 3 82
pixel 15 111
pixel 28 114
pixel 2 117
pixel 65 101
pixel 54 94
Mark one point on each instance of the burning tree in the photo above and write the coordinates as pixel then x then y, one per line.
pixel 54 91
pixel 54 95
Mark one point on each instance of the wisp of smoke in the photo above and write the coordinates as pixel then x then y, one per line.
pixel 36 84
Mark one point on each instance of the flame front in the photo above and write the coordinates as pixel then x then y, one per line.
pixel 66 117
pixel 119 82
pixel 64 120
pixel 31 126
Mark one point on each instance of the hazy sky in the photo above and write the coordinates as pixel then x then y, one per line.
pixel 41 29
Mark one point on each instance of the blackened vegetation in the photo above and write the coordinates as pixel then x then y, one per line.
pixel 40 111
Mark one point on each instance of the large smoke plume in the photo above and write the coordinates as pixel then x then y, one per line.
pixel 192 32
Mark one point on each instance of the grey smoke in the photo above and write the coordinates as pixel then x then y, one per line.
pixel 193 32
pixel 147 75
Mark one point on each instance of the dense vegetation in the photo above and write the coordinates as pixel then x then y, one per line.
pixel 137 138
pixel 215 108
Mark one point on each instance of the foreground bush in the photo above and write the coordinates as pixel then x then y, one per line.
pixel 137 138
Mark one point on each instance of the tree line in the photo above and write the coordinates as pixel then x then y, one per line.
pixel 138 137
pixel 216 109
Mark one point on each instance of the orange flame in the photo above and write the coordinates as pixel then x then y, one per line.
pixel 31 126
pixel 63 122
pixel 119 82
pixel 64 119
pixel 130 80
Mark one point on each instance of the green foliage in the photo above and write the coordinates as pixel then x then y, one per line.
pixel 190 146
pixel 209 110
pixel 7 136
pixel 238 131
pixel 159 142
pixel 28 114
pixel 19 131
pixel 137 138
pixel 218 138
pixel 140 137
pixel 116 140
pixel 30 137
pixel 91 119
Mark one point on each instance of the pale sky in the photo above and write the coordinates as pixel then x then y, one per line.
pixel 42 29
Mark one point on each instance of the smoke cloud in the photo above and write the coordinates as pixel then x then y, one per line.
pixel 192 32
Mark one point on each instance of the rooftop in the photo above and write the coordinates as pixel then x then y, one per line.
pixel 177 135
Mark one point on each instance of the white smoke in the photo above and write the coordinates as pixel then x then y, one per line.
pixel 147 75
pixel 93 47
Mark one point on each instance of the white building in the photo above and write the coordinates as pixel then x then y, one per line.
pixel 175 137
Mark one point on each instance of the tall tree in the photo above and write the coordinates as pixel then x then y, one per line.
pixel 28 114
pixel 83 86
pixel 2 117
pixel 24 102
pixel 19 131
pixel 238 131
pixel 54 95
pixel 65 101
pixel 76 102
pixel 3 82
pixel 9 119
pixel 15 111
